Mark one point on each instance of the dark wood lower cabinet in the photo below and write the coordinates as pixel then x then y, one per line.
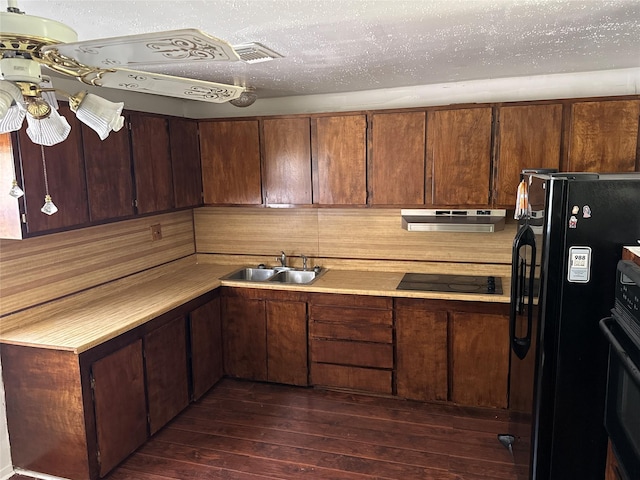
pixel 479 358
pixel 47 412
pixel 351 342
pixel 421 345
pixel 119 402
pixel 165 351
pixel 265 335
pixel 77 416
pixel 206 347
pixel 287 342
pixel 453 351
pixel 245 338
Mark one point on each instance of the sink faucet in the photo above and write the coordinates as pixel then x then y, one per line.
pixel 283 259
pixel 304 262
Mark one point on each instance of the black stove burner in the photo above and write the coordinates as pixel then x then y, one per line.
pixel 429 282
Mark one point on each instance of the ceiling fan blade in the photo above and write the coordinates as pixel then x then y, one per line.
pixel 174 46
pixel 167 85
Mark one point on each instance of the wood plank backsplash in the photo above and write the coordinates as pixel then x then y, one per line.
pixel 256 231
pixel 359 234
pixel 39 269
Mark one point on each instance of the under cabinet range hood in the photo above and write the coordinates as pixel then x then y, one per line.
pixel 458 221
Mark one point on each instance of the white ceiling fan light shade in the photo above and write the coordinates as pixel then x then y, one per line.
pixel 12 111
pixel 48 131
pixel 13 119
pixel 100 114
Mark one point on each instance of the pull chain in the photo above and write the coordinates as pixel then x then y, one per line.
pixel 49 207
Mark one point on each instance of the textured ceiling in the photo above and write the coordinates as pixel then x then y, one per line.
pixel 354 45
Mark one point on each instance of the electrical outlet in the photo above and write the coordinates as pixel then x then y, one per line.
pixel 156 232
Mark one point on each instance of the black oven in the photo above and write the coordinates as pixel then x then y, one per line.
pixel 622 411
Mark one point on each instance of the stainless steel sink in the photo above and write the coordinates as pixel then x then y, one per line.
pixel 289 275
pixel 294 276
pixel 251 274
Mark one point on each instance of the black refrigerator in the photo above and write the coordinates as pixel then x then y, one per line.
pixel 563 279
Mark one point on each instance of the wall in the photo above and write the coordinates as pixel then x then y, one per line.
pixel 39 269
pixel 358 238
pixel 537 87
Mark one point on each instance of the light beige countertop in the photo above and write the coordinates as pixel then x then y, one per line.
pixel 86 319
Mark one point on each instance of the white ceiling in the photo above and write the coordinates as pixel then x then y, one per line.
pixel 336 46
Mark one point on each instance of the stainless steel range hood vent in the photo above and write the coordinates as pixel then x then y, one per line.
pixel 442 220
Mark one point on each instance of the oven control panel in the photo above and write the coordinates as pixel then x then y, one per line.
pixel 627 304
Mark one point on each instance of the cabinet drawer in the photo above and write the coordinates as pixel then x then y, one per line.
pixel 357 378
pixel 349 331
pixel 362 301
pixel 336 314
pixel 376 355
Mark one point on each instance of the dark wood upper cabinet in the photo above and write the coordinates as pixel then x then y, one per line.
pixel 528 136
pixel 397 158
pixel 603 136
pixel 458 157
pixel 286 174
pixel 340 160
pixel 152 163
pixel 109 179
pixel 185 162
pixel 230 153
pixel 66 178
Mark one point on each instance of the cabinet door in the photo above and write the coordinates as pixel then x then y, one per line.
pixel 109 177
pixel 244 338
pixel 231 162
pixel 10 221
pixel 528 137
pixel 396 161
pixel 66 178
pixel 287 342
pixel 421 354
pixel 121 412
pixel 165 351
pixel 286 176
pixel 206 347
pixel 458 157
pixel 340 159
pixel 185 162
pixel 151 163
pixel 604 136
pixel 479 359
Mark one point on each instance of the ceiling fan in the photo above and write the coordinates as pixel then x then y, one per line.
pixel 28 43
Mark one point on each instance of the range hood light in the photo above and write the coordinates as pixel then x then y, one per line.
pixel 453 221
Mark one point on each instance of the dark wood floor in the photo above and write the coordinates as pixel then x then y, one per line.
pixel 247 430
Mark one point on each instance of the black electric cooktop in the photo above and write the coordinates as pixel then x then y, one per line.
pixel 429 282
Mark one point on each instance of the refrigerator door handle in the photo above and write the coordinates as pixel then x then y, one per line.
pixel 524 238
